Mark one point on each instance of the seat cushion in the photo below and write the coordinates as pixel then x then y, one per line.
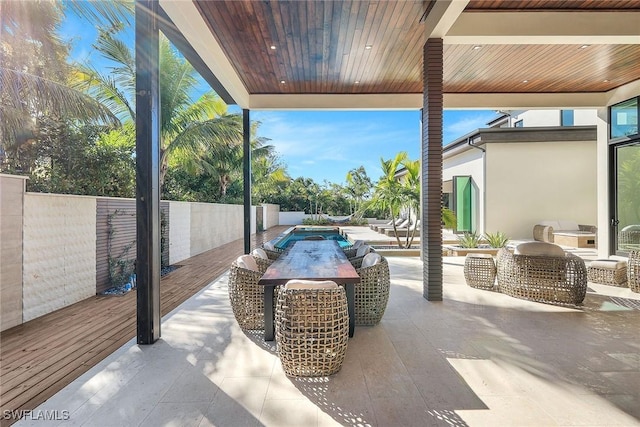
pixel 554 224
pixel 269 246
pixel 370 259
pixel 310 284
pixel 539 249
pixel 608 264
pixel 260 253
pixel 247 262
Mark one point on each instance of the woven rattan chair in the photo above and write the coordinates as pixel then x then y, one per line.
pixel 262 259
pixel 312 328
pixel 633 271
pixel 553 279
pixel 372 293
pixel 356 260
pixel 246 296
pixel 350 251
pixel 272 252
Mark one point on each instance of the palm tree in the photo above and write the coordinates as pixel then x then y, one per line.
pixel 34 74
pixel 388 194
pixel 189 129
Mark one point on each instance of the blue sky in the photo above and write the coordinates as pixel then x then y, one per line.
pixel 323 145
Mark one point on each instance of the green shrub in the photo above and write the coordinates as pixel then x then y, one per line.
pixel 497 239
pixel 469 240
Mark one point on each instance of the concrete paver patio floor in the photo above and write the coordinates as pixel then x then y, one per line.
pixel 478 358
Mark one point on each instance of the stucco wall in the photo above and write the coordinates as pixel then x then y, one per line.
pixel 271 215
pixel 214 225
pixel 179 231
pixel 531 182
pixel 59 252
pixel 11 203
pixel 291 218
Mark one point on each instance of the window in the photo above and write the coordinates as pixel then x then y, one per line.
pixel 624 119
pixel 566 117
pixel 518 124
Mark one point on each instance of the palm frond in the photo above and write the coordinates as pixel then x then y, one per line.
pixel 38 95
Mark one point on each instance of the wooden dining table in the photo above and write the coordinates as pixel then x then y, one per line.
pixel 309 260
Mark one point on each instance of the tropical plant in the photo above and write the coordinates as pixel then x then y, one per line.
pixel 497 239
pixel 448 218
pixel 189 129
pixel 358 188
pixel 469 240
pixel 34 78
pixel 389 194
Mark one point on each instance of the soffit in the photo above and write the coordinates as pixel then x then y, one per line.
pixel 359 51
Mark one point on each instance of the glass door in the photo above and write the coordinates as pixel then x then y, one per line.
pixel 626 216
pixel 463 196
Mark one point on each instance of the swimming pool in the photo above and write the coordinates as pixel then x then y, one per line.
pixel 300 233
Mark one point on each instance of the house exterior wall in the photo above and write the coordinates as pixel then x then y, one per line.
pixel 470 162
pixel 545 118
pixel 59 255
pixel 531 182
pixel 11 214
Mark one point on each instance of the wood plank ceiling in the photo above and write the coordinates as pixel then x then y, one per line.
pixel 365 47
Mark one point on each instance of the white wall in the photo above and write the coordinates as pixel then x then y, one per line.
pixel 59 255
pixel 291 218
pixel 271 215
pixel 538 118
pixel 531 182
pixel 179 231
pixel 213 225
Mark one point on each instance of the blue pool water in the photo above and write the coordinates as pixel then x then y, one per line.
pixel 301 233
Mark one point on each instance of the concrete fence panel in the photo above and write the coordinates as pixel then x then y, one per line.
pixel 59 253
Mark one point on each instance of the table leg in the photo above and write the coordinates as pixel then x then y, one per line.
pixel 268 313
pixel 351 303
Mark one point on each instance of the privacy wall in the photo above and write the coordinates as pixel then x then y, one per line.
pixel 58 249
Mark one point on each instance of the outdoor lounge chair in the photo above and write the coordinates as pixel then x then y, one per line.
pixel 372 293
pixel 246 296
pixel 403 232
pixel 378 227
pixel 350 252
pixel 312 328
pixel 373 226
pixel 402 224
pixel 543 272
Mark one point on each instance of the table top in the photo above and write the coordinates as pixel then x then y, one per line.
pixel 311 260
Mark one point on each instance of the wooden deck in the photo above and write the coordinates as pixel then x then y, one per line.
pixel 40 357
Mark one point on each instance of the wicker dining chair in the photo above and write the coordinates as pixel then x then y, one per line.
pixel 246 296
pixel 356 260
pixel 559 278
pixel 312 328
pixel 272 252
pixel 633 271
pixel 262 259
pixel 372 293
pixel 350 251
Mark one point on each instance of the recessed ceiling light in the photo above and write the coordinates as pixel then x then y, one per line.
pixel 357 82
pixel 584 46
pixel 282 82
pixel 525 81
pixel 272 47
pixel 368 46
pixel 476 47
pixel 606 80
